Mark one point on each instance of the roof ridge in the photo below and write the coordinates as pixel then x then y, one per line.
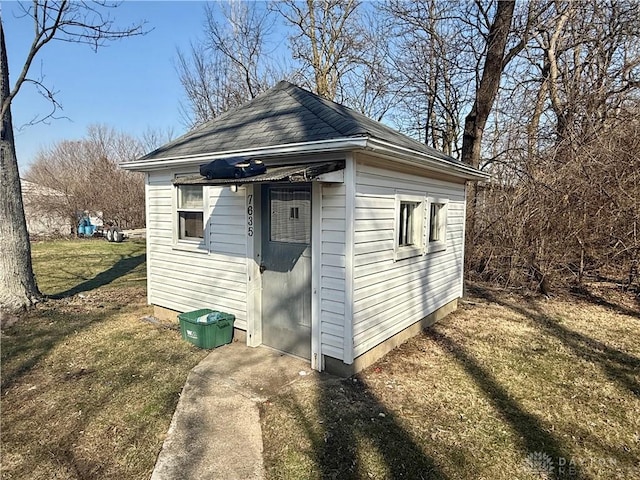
pixel 334 106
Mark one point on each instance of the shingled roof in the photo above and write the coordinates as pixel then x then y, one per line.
pixel 285 114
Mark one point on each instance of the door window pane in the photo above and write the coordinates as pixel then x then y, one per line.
pixel 290 211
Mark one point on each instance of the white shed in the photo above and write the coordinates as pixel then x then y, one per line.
pixel 351 242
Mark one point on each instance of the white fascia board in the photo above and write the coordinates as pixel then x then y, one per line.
pixel 333 145
pixel 424 160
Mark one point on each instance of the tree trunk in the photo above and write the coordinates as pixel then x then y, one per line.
pixel 487 90
pixel 18 288
pixel 476 120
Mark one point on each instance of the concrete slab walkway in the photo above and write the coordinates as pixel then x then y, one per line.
pixel 215 431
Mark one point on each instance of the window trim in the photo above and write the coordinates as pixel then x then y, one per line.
pixel 192 244
pixel 443 214
pixel 402 252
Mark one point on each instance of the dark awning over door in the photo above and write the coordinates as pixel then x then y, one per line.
pixel 304 172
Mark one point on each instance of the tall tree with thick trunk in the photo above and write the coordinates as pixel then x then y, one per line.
pixel 487 90
pixel 75 22
pixel 17 283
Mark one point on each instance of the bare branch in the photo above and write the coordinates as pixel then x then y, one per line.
pixel 69 21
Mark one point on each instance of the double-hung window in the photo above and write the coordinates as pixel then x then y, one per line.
pixel 409 241
pixel 437 225
pixel 190 212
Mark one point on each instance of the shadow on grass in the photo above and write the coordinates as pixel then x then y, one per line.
pixel 585 294
pixel 353 425
pixel 533 435
pixel 81 396
pixel 619 366
pixel 35 338
pixel 120 268
pixel 354 431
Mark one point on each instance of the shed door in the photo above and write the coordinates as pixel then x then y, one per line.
pixel 286 268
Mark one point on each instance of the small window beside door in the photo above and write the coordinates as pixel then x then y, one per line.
pixel 190 212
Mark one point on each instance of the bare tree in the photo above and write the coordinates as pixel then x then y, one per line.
pixel 489 83
pixel 117 193
pixel 368 85
pixel 60 168
pixel 76 22
pixel 591 65
pixel 153 138
pixel 205 80
pixel 564 200
pixel 231 65
pixel 17 283
pixel 327 40
pixel 87 176
pixel 434 78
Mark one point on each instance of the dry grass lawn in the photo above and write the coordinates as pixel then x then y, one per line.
pixel 88 389
pixel 506 387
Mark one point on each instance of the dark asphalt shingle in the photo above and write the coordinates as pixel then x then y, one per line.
pixel 283 115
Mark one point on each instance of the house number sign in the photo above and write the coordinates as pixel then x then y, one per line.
pixel 250 215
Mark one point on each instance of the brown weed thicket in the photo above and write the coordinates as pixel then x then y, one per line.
pixel 570 212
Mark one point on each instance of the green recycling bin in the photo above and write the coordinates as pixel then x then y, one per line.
pixel 206 328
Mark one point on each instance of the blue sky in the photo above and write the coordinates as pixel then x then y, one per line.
pixel 130 84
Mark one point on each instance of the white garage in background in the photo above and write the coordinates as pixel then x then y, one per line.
pixel 351 242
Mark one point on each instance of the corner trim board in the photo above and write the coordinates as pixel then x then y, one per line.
pixel 350 206
pixel 316 256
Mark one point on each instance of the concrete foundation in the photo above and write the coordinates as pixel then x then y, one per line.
pixel 165 314
pixel 337 367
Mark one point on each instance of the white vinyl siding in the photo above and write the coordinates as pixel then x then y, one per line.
pixel 332 275
pixel 390 295
pixel 212 277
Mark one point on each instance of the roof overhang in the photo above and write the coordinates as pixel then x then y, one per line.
pixel 424 160
pixel 392 152
pixel 334 145
pixel 303 172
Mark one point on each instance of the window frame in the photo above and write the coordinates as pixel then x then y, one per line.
pixel 439 245
pixel 197 244
pixel 415 249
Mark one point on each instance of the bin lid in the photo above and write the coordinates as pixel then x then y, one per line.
pixel 206 316
pixel 212 317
